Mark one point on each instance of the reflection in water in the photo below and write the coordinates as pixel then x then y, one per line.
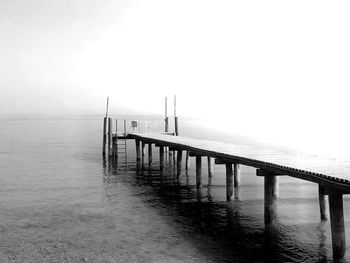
pixel 322 252
pixel 225 222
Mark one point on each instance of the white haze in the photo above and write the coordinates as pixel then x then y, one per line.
pixel 274 70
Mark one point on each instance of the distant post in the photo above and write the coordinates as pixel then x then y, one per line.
pixel 104 136
pixel 175 117
pixel 166 120
pixel 110 134
pixel 104 140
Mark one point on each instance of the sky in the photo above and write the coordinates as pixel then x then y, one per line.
pixel 274 69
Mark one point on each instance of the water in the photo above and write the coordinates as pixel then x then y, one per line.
pixel 61 202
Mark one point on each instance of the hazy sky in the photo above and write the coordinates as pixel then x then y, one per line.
pixel 278 68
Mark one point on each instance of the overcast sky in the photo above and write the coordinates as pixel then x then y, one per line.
pixel 280 68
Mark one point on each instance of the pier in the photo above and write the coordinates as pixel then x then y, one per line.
pixel 331 180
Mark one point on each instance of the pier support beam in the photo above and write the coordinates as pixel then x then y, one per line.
pixel 322 202
pixel 150 154
pixel 110 134
pixel 236 175
pixel 229 181
pixel 176 127
pixel 138 150
pixel 337 225
pixel 179 163
pixel 210 168
pixel 161 158
pixel 198 171
pixel 270 189
pixel 187 160
pixel 104 136
pixel 143 152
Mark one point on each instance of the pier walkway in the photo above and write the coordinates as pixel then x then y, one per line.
pixel 332 177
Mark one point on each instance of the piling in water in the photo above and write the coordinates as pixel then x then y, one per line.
pixel 150 154
pixel 270 196
pixel 322 202
pixel 337 225
pixel 104 136
pixel 198 171
pixel 179 163
pixel 110 134
pixel 229 181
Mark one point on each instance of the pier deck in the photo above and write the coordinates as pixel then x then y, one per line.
pixel 312 168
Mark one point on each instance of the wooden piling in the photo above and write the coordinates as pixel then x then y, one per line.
pixel 116 139
pixel 176 127
pixel 138 150
pixel 110 134
pixel 229 181
pixel 161 157
pixel 236 175
pixel 143 152
pixel 150 154
pixel 210 168
pixel 322 202
pixel 270 188
pixel 187 160
pixel 104 136
pixel 198 171
pixel 337 225
pixel 179 162
pixel 175 118
pixel 166 119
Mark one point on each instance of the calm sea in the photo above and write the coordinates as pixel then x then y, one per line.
pixel 61 202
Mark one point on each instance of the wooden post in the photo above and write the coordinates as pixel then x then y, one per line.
pixel 150 154
pixel 270 188
pixel 161 157
pixel 166 128
pixel 175 118
pixel 198 171
pixel 176 127
pixel 110 134
pixel 104 136
pixel 229 181
pixel 187 160
pixel 143 152
pixel 236 175
pixel 337 225
pixel 116 139
pixel 124 127
pixel 210 168
pixel 138 154
pixel 179 162
pixel 322 202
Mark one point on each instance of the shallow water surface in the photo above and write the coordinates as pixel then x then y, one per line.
pixel 61 202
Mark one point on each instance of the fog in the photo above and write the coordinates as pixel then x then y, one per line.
pixel 274 70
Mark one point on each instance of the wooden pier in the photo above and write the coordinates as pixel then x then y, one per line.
pixel 268 165
pixel 332 179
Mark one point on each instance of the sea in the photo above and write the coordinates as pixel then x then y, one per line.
pixel 61 201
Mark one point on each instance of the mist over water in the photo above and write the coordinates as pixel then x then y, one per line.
pixel 61 202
